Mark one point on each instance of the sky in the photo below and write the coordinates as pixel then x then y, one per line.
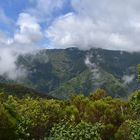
pixel 85 24
pixel 24 22
pixel 27 25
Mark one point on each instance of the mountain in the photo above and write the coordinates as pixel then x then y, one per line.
pixel 21 91
pixel 62 73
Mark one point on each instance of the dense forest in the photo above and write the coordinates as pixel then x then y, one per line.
pixel 96 117
pixel 28 115
pixel 63 72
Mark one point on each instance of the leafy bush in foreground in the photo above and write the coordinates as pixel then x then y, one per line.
pixel 129 130
pixel 97 117
pixel 80 131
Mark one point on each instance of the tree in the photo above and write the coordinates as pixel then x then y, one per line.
pixel 98 94
pixel 138 71
pixel 135 103
pixel 80 131
pixel 7 125
pixel 129 130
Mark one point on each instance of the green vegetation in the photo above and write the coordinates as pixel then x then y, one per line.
pixel 29 115
pixel 82 130
pixel 96 117
pixel 63 72
pixel 20 91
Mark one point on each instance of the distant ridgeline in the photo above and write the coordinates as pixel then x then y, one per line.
pixel 21 91
pixel 62 73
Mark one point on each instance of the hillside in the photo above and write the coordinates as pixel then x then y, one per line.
pixel 64 72
pixel 20 91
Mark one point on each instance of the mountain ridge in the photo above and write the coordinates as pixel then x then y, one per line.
pixel 59 70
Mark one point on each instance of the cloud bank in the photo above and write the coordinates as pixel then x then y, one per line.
pixel 106 24
pixel 8 64
pixel 27 34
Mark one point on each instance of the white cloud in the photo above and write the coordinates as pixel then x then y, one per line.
pixel 8 67
pixel 8 59
pixel 106 24
pixel 128 78
pixel 24 41
pixel 29 30
pixel 95 70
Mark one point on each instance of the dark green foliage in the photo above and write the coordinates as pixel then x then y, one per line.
pixel 49 69
pixel 98 94
pixel 129 130
pixel 138 67
pixel 80 131
pixel 135 103
pixel 97 116
pixel 80 84
pixel 21 91
pixel 7 125
pixel 35 116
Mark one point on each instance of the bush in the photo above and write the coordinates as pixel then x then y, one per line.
pixel 129 130
pixel 80 131
pixel 135 103
pixel 7 125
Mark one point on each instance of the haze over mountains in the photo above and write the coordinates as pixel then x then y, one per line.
pixel 62 73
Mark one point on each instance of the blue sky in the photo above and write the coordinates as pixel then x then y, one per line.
pixel 85 24
pixel 13 8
